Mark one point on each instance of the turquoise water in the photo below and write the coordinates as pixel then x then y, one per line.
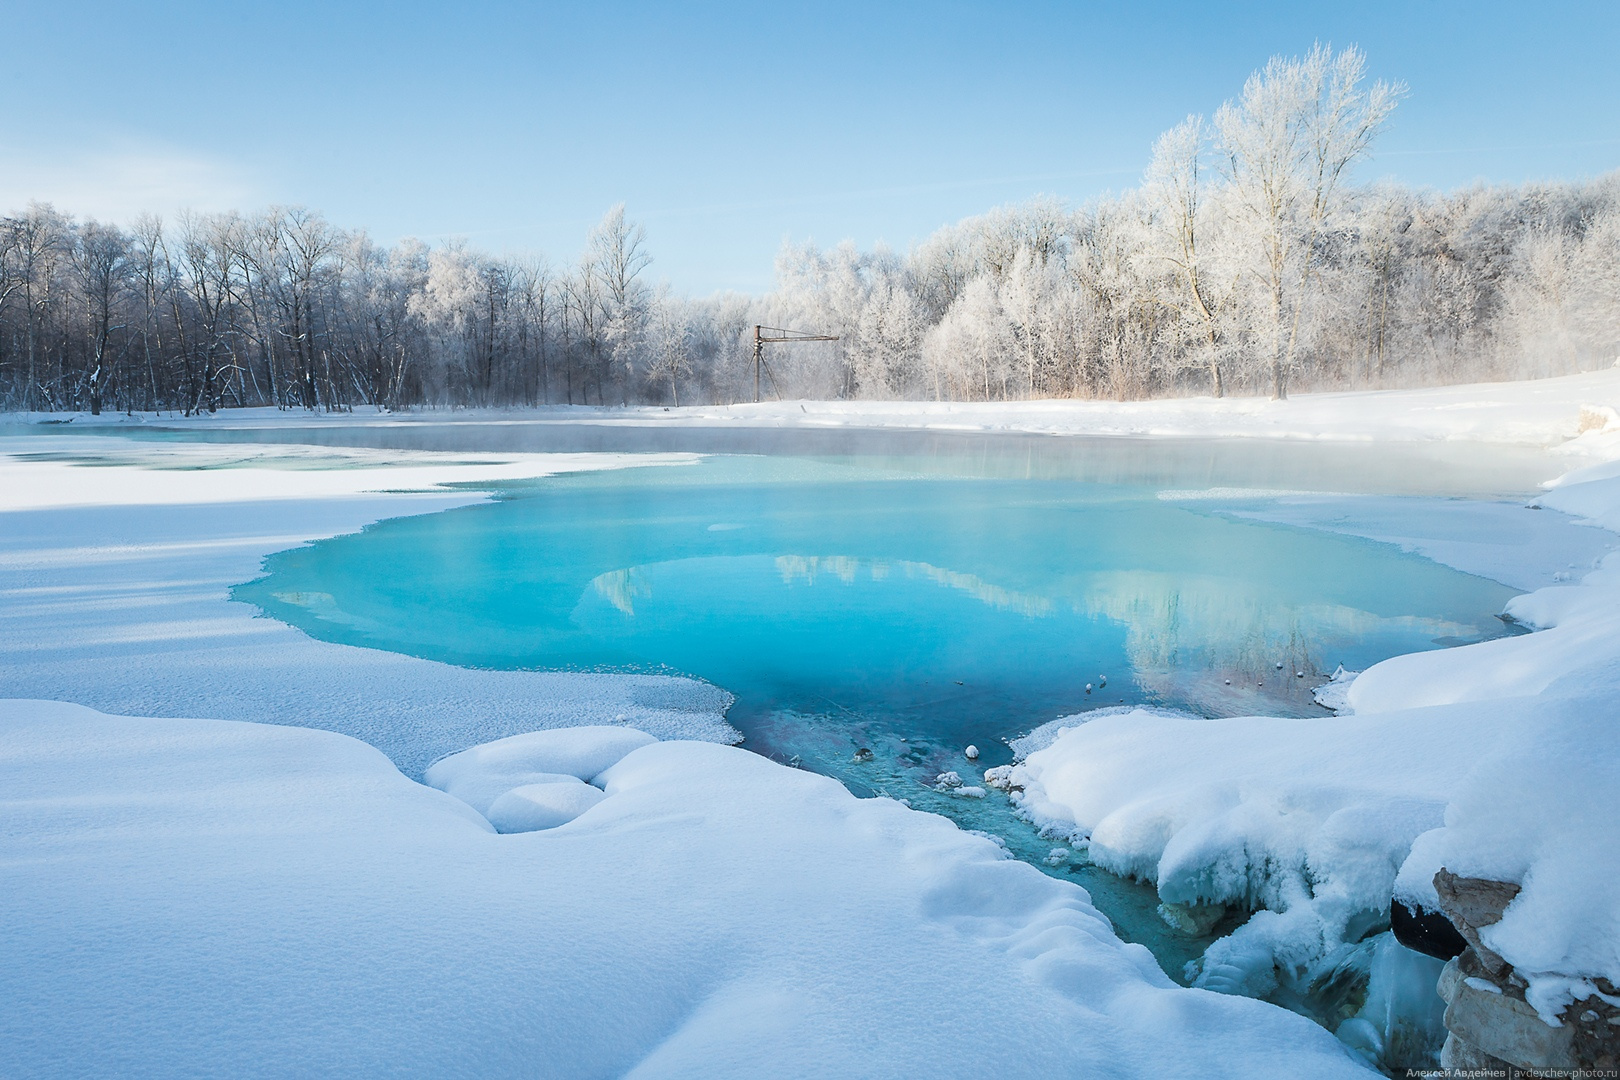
pixel 964 609
pixel 855 605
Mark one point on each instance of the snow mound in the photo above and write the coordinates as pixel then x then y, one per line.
pixel 533 807
pixel 481 775
pixel 214 898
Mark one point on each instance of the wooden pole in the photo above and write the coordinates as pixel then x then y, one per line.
pixel 759 359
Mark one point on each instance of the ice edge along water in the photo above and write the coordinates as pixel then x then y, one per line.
pixel 1495 760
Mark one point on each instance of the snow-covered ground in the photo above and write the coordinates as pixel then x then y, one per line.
pixel 205 898
pixel 200 896
pixel 1544 412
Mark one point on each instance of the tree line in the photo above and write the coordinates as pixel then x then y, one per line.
pixel 1244 262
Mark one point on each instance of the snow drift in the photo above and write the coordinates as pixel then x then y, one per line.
pixel 194 897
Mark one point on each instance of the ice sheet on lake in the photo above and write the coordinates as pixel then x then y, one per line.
pixel 123 605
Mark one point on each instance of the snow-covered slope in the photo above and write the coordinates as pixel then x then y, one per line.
pixel 1496 760
pixel 207 898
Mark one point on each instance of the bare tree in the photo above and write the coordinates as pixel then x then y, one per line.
pixel 102 267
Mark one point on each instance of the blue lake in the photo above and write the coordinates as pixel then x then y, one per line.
pixel 961 609
pixel 897 606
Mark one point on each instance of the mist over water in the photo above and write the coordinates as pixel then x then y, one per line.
pixel 979 606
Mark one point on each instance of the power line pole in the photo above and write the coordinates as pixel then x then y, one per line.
pixel 777 334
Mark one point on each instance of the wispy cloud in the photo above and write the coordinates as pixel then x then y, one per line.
pixel 117 181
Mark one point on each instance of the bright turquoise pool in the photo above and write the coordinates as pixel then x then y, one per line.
pixel 960 609
pixel 853 604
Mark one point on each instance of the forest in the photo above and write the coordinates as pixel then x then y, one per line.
pixel 1245 262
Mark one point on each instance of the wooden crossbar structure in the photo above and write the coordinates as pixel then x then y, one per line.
pixel 764 335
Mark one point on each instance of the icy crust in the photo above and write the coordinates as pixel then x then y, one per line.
pixel 125 607
pixel 1497 760
pixel 1523 547
pixel 194 897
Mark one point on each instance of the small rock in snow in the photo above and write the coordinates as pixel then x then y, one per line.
pixel 947 781
pixel 1058 855
pixel 863 754
pixel 971 753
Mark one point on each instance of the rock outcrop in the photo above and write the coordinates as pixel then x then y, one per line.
pixel 1488 1020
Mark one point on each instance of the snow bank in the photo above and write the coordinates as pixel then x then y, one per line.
pixel 1495 760
pixel 1523 547
pixel 1543 412
pixel 54 471
pixel 190 897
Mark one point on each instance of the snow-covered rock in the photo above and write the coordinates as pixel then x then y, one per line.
pixel 542 806
pixel 481 775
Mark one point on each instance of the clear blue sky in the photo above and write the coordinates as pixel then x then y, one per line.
pixel 728 128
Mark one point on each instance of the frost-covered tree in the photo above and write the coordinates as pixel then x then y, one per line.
pixel 1287 142
pixel 1247 261
pixel 1176 190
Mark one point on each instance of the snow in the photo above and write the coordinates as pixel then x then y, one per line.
pixel 1335 693
pixel 481 775
pixel 1494 760
pixel 161 474
pixel 533 807
pixel 1543 412
pixel 194 897
pixel 122 604
pixel 1508 542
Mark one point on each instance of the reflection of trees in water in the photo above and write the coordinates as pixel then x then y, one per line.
pixel 804 568
pixel 622 588
pixel 1180 623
